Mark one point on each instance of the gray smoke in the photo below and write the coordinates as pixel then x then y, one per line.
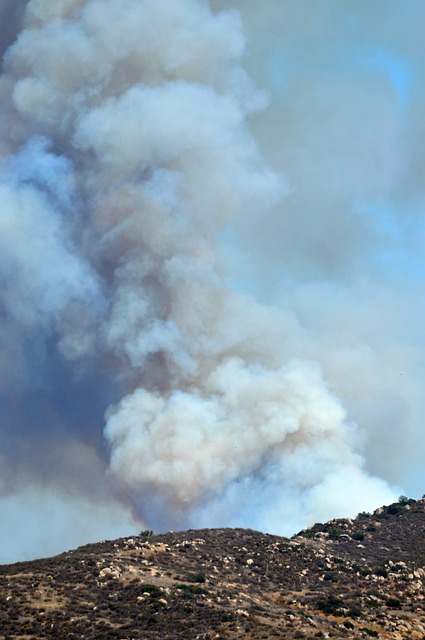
pixel 345 252
pixel 207 293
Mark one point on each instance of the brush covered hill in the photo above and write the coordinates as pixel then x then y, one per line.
pixel 345 578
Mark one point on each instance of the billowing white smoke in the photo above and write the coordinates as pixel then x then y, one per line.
pixel 126 158
pixel 248 447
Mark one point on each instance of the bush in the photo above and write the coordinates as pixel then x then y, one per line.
pixel 393 603
pixel 358 536
pixel 196 577
pixel 315 528
pixel 363 515
pixel 146 533
pixel 152 589
pixel 331 605
pixel 192 588
pixel 395 508
pixel 334 534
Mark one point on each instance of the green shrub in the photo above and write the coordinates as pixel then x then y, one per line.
pixel 196 577
pixel 192 588
pixel 334 534
pixel 331 605
pixel 363 515
pixel 152 589
pixel 393 603
pixel 330 576
pixel 309 533
pixel 358 536
pixel 394 509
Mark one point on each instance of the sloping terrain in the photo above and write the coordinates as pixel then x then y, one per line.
pixel 342 579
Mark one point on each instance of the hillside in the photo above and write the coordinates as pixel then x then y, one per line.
pixel 342 579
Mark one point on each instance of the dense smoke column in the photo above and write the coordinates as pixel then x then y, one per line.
pixel 126 155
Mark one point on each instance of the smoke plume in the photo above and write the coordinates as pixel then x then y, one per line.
pixel 210 263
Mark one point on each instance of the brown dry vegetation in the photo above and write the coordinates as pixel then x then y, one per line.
pixel 343 579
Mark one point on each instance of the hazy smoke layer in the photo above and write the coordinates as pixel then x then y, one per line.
pixel 345 251
pixel 155 267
